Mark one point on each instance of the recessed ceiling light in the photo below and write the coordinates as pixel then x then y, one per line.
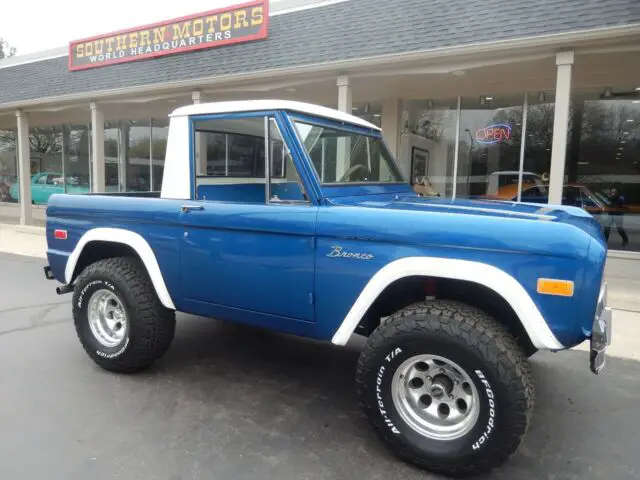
pixel 355 109
pixel 636 101
pixel 630 120
pixel 637 89
pixel 376 115
pixel 489 98
pixel 623 141
pixel 583 163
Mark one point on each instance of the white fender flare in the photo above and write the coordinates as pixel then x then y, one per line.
pixel 135 241
pixel 497 280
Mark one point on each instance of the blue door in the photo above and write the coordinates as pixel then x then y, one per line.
pixel 252 257
pixel 247 255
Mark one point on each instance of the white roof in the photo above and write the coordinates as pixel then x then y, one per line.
pixel 259 105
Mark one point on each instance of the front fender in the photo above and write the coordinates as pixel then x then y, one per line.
pixel 492 277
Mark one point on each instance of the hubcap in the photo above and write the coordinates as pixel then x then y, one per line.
pixel 107 318
pixel 435 397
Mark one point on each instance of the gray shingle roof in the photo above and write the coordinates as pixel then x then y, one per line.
pixel 349 30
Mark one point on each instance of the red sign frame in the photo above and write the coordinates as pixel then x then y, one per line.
pixel 261 34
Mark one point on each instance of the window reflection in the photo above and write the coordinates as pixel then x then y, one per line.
pixel 8 165
pixel 77 176
pixel 489 148
pixel 603 161
pixel 427 145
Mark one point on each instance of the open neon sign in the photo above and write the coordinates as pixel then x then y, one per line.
pixel 489 135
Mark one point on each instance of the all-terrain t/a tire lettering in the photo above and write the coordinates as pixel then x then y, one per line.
pixel 447 339
pixel 150 326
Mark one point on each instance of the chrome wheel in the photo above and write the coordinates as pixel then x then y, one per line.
pixel 107 318
pixel 435 397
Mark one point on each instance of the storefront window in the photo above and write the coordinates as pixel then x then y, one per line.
pixel 46 148
pixel 489 148
pixel 77 169
pixel 427 145
pixel 137 155
pixel 111 156
pixel 602 173
pixel 159 135
pixel 537 147
pixel 8 166
pixel 371 112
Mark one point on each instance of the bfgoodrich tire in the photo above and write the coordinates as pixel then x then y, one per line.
pixel 118 317
pixel 446 388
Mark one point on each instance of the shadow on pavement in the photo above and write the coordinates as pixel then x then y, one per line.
pixel 293 401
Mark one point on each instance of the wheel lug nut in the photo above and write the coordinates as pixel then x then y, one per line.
pixel 450 397
pixel 428 378
pixel 442 370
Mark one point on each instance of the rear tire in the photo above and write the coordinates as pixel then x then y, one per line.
pixel 446 388
pixel 118 317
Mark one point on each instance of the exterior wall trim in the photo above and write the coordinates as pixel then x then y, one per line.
pixel 442 52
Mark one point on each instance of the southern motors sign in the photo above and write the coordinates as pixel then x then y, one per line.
pixel 237 24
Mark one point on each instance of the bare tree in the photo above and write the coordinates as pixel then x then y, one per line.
pixel 6 50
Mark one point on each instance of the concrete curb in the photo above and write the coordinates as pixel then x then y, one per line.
pixel 23 240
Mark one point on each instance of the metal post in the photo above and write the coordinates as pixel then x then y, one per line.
pixel 24 168
pixel 267 170
pixel 564 61
pixel 324 146
pixel 456 151
pixel 523 140
pixel 151 154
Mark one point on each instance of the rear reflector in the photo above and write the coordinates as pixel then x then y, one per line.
pixel 60 234
pixel 550 286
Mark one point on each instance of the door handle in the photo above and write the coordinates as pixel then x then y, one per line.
pixel 186 208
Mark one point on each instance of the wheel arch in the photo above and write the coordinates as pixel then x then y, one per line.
pixel 499 285
pixel 99 243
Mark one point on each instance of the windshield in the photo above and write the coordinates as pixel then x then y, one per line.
pixel 340 156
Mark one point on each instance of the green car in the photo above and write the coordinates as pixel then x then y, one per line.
pixel 43 185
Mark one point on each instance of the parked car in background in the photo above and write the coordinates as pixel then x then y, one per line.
pixel 45 184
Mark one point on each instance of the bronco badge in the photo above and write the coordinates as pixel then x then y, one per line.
pixel 339 252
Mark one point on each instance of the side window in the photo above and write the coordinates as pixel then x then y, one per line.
pixel 230 161
pixel 42 179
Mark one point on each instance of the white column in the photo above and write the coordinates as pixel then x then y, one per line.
pixel 391 114
pixel 564 61
pixel 345 104
pixel 97 148
pixel 201 140
pixel 24 167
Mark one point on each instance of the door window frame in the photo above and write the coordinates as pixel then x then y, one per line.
pixel 290 144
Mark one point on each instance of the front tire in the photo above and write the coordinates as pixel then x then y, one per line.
pixel 446 388
pixel 118 317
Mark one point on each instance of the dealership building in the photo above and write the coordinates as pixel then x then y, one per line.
pixel 533 101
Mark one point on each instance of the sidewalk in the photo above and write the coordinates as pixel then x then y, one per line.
pixel 622 275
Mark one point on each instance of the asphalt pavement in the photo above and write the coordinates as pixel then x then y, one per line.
pixel 232 402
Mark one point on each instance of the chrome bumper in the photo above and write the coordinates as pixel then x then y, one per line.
pixel 601 332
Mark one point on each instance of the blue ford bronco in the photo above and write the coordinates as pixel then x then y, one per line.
pixel 295 218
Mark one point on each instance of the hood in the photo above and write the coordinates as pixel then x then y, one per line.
pixel 484 214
